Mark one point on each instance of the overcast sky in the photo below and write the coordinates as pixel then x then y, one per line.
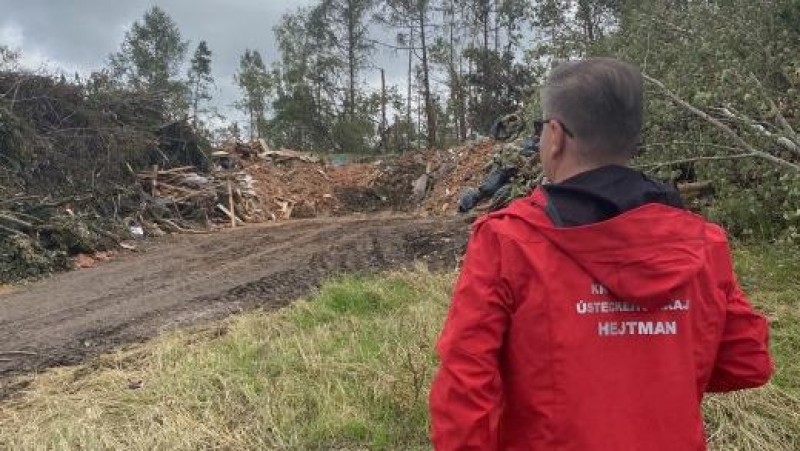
pixel 78 35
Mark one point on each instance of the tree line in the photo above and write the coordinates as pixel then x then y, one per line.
pixel 467 62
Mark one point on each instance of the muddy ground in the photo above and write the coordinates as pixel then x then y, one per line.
pixel 188 279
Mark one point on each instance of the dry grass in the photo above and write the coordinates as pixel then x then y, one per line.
pixel 767 418
pixel 347 370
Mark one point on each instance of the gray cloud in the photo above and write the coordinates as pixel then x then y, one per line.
pixel 78 35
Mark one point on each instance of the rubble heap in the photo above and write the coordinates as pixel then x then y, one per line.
pixel 293 189
pixel 38 236
pixel 457 168
pixel 187 195
pixel 294 185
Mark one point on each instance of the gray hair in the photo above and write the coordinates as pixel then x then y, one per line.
pixel 599 100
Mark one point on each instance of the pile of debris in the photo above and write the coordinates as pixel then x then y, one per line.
pixel 73 139
pixel 82 143
pixel 295 185
pixel 39 236
pixel 457 168
pixel 180 197
pixel 388 187
pixel 294 189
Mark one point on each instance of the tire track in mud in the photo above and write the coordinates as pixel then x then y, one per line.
pixel 193 278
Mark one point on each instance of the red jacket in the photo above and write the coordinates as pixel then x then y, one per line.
pixel 600 337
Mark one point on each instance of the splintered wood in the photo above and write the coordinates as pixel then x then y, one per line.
pixel 222 195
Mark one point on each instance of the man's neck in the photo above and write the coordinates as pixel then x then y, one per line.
pixel 572 171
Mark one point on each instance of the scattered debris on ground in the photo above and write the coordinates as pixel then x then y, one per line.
pixel 38 236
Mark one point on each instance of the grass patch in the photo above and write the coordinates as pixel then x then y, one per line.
pixel 767 418
pixel 348 369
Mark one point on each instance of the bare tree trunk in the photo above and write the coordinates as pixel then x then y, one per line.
pixel 410 74
pixel 471 94
pixel 462 100
pixel 351 59
pixel 429 107
pixel 451 66
pixel 585 14
pixel 456 90
pixel 195 104
pixel 383 110
pixel 252 124
pixel 396 131
pixel 485 19
pixel 419 121
pixel 496 26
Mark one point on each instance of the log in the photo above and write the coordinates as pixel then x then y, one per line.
pixel 176 228
pixel 264 146
pixel 17 222
pixel 230 204
pixel 23 353
pixel 229 213
pixel 154 188
pixel 285 154
pixel 10 231
pixel 692 191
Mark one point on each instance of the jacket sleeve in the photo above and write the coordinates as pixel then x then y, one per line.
pixel 743 358
pixel 467 390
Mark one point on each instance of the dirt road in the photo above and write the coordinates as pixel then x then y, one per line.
pixel 191 278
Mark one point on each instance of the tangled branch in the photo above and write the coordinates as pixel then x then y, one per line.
pixel 724 128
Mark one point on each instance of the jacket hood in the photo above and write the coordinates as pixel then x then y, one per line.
pixel 602 193
pixel 640 256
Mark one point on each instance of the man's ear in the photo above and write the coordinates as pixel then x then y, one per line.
pixel 557 139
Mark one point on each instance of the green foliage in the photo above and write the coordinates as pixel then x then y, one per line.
pixel 299 121
pixel 502 83
pixel 353 134
pixel 344 23
pixel 319 103
pixel 151 57
pixel 200 78
pixel 23 257
pixel 256 85
pixel 742 69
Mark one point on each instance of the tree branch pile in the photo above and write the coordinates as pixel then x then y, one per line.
pixel 38 235
pixel 181 197
pixel 69 154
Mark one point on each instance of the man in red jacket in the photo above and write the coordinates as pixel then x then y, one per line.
pixel 596 313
